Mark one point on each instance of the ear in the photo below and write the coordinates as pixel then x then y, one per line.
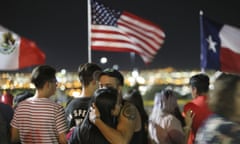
pixel 194 89
pixel 46 84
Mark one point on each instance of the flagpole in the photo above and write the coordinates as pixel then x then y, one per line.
pixel 89 31
pixel 132 58
pixel 201 37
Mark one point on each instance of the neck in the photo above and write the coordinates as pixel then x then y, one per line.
pixel 87 92
pixel 40 94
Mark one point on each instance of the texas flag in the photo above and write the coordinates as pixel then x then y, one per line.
pixel 18 52
pixel 220 46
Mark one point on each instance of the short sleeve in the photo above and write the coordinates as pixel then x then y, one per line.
pixel 60 120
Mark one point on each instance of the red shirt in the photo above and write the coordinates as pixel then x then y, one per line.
pixel 7 99
pixel 201 110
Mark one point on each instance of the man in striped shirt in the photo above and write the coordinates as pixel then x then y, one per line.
pixel 38 119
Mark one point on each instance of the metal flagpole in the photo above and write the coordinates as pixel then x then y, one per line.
pixel 201 45
pixel 89 31
pixel 132 58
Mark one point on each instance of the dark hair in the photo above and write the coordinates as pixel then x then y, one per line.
pixel 105 99
pixel 201 82
pixel 88 72
pixel 42 74
pixel 222 97
pixel 113 73
pixel 134 96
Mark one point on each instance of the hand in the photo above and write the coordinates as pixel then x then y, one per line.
pixel 189 118
pixel 161 132
pixel 94 113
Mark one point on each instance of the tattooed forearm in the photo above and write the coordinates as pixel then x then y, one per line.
pixel 129 111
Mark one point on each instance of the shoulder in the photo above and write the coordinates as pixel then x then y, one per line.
pixel 217 129
pixel 199 100
pixel 189 106
pixel 174 123
pixel 129 111
pixel 47 103
pixel 169 119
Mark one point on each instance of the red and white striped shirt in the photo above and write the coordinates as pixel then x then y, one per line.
pixel 39 120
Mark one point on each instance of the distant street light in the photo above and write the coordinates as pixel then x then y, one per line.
pixel 116 67
pixel 103 60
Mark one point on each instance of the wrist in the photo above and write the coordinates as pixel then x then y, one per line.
pixel 187 128
pixel 94 120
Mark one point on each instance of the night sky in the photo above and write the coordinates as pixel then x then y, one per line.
pixel 59 27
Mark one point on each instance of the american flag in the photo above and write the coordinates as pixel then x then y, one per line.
pixel 121 31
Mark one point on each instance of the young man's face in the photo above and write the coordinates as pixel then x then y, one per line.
pixel 52 86
pixel 107 81
pixel 193 91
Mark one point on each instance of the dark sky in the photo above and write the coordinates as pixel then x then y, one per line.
pixel 59 27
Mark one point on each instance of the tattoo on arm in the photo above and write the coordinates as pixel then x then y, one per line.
pixel 129 111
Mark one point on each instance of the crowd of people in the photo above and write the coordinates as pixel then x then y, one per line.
pixel 104 114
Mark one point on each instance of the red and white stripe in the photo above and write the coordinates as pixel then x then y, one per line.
pixel 230 49
pixel 133 34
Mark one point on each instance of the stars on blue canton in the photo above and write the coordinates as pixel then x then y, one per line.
pixel 102 15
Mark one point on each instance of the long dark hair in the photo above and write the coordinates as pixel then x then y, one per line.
pixel 135 97
pixel 105 100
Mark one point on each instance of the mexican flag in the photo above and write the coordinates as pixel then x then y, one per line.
pixel 17 52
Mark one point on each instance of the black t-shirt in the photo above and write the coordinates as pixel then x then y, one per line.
pixel 6 114
pixel 76 110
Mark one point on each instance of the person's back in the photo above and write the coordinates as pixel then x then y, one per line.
pixel 199 85
pixel 165 123
pixel 6 113
pixel 39 119
pixel 77 108
pixel 200 108
pixel 76 111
